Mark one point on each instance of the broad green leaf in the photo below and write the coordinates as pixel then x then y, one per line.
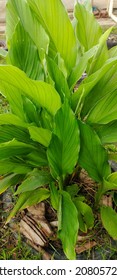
pixel 12 20
pixel 54 195
pixel 68 225
pixel 11 119
pixel 54 19
pixel 90 85
pixel 24 54
pixel 105 83
pixel 31 26
pixel 88 28
pixel 86 212
pixel 36 197
pixel 108 132
pixel 92 157
pixel 9 132
pixel 105 110
pixel 64 147
pixel 102 54
pixel 37 158
pixel 109 220
pixel 80 67
pixel 9 181
pixel 41 135
pixel 14 166
pixel 14 148
pixel 13 80
pixel 36 179
pixel 58 78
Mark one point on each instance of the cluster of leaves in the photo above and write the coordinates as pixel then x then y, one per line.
pixel 53 129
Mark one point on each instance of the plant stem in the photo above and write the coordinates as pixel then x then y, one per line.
pixel 60 183
pixel 98 195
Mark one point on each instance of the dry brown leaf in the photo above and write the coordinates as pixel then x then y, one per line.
pixel 44 254
pixel 31 231
pixel 107 200
pixel 37 210
pixel 83 237
pixel 85 247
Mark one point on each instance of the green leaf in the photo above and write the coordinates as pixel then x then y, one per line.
pixel 72 190
pixel 105 82
pixel 88 28
pixel 82 225
pixel 63 150
pixel 41 135
pixel 37 158
pixel 54 195
pixel 113 52
pixel 108 132
pixel 59 28
pixel 11 20
pixel 108 184
pixel 59 79
pixel 92 156
pixel 24 54
pixel 9 181
pixel 9 132
pixel 14 165
pixel 11 119
pixel 21 200
pixel 31 26
pixel 89 89
pixel 105 109
pixel 14 148
pixel 68 225
pixel 102 54
pixel 27 199
pixel 36 197
pixel 36 179
pixel 30 111
pixel 86 212
pixel 80 67
pixel 13 80
pixel 109 220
